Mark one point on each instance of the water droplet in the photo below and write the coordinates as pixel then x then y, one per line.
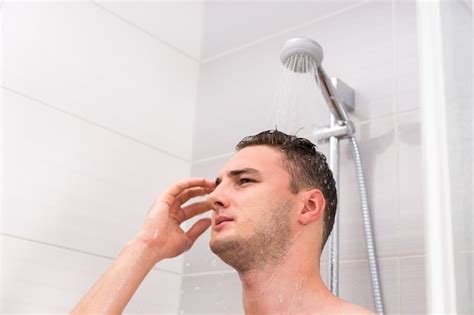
pixel 188 264
pixel 214 262
pixel 197 288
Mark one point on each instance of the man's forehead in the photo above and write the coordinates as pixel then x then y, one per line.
pixel 260 158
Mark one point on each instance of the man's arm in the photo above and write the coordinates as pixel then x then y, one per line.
pixel 160 237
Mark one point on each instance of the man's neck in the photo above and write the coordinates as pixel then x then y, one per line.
pixel 290 287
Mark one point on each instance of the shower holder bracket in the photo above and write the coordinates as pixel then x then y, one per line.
pixel 344 93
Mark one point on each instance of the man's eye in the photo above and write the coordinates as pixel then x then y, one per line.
pixel 245 181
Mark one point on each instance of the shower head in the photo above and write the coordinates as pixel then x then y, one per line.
pixel 310 52
pixel 304 55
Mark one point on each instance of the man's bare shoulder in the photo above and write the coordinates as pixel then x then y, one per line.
pixel 349 308
pixel 335 305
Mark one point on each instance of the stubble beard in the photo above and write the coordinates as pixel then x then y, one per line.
pixel 267 246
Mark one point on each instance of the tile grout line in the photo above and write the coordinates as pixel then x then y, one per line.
pixel 56 246
pixel 133 25
pixel 274 35
pixel 211 158
pixel 397 147
pixel 78 251
pixel 96 124
pixel 359 123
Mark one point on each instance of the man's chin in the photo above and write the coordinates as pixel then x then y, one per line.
pixel 220 243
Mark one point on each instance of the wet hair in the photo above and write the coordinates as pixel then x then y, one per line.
pixel 307 167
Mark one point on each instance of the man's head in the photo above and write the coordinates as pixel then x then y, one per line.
pixel 258 189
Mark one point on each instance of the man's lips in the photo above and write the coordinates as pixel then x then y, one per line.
pixel 220 222
pixel 221 218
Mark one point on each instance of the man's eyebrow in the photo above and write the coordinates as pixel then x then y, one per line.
pixel 247 170
pixel 235 173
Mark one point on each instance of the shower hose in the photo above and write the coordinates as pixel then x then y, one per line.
pixel 374 274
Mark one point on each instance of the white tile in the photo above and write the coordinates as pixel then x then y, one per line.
pixel 457 35
pixel 358 48
pixel 464 273
pixel 177 23
pixel 70 183
pixel 104 70
pixel 406 55
pixel 412 285
pixel 376 141
pixel 460 139
pixel 38 278
pixel 224 30
pixel 218 293
pixel 355 284
pixel 211 167
pixel 410 185
pixel 237 91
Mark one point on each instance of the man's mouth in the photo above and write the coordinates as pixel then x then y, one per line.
pixel 221 221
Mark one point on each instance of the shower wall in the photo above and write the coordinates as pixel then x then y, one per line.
pixel 99 116
pixel 372 46
pixel 97 120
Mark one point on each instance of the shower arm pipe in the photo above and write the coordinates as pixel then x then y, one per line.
pixel 335 106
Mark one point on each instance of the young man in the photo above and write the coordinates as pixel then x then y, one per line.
pixel 274 204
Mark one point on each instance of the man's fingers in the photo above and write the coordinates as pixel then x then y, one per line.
pixel 197 229
pixel 191 193
pixel 195 209
pixel 169 197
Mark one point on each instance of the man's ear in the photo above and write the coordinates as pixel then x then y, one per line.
pixel 313 206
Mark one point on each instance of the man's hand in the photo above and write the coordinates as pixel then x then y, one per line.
pixel 161 230
pixel 160 237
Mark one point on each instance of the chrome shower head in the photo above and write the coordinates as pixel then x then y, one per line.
pixel 300 54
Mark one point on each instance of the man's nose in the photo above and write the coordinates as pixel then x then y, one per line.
pixel 217 199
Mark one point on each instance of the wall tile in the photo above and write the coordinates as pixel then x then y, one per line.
pixel 406 55
pixel 410 184
pixel 377 149
pixel 70 183
pixel 460 139
pixel 355 283
pixel 38 278
pixel 224 31
pixel 412 285
pixel 176 23
pixel 464 273
pixel 237 91
pixel 103 70
pixel 457 34
pixel 217 293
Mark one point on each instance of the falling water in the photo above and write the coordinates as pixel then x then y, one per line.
pixel 295 106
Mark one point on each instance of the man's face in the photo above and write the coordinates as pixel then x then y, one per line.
pixel 254 192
